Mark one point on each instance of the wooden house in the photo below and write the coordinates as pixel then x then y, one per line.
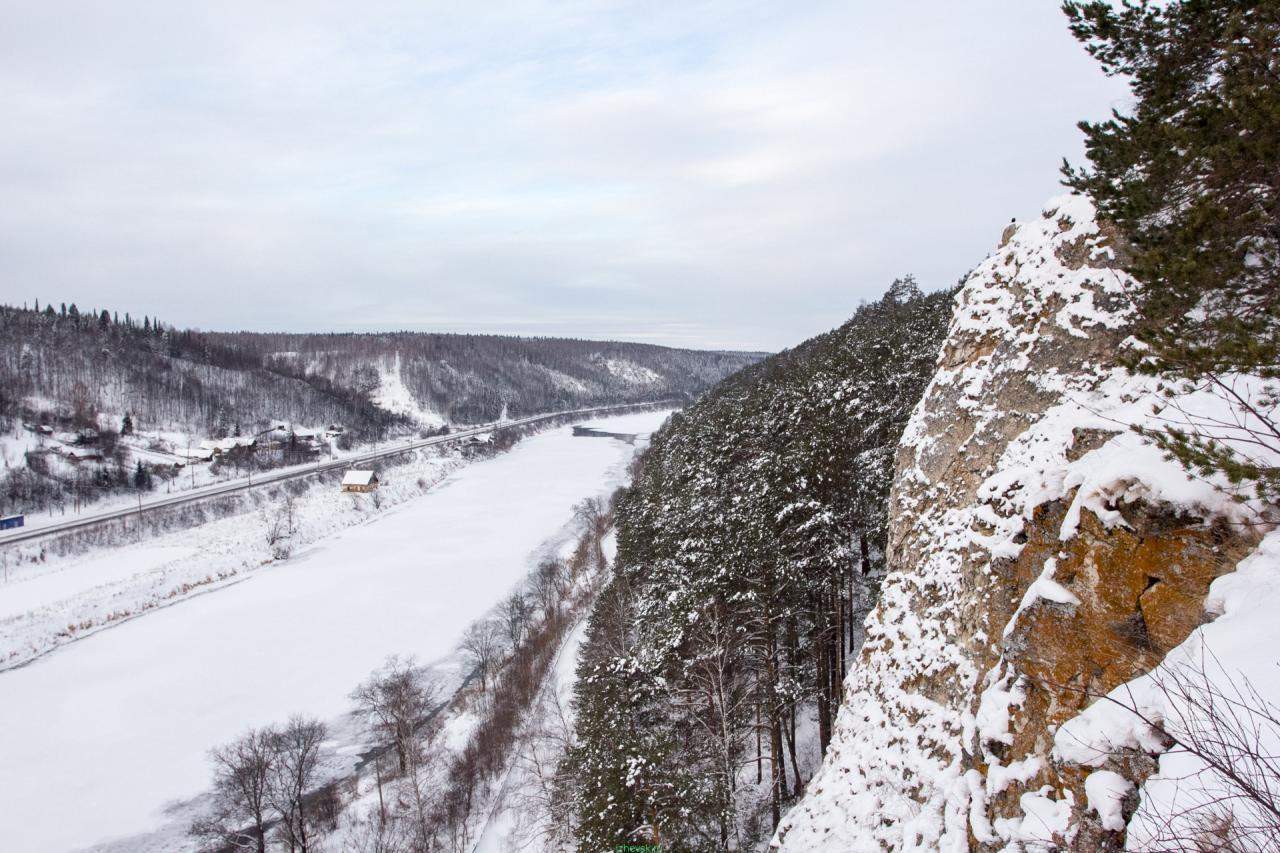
pixel 82 454
pixel 359 481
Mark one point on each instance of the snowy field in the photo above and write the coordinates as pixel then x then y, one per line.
pixel 100 735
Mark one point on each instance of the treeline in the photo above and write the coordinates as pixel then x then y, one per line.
pixel 77 364
pixel 750 544
pixel 471 378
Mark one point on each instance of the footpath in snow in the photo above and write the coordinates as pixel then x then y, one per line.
pixel 99 736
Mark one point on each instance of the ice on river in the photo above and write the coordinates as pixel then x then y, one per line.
pixel 97 737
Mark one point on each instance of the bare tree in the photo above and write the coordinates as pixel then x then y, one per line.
pixel 324 807
pixel 288 508
pixel 515 617
pixel 718 701
pixel 422 804
pixel 549 586
pixel 397 698
pixel 374 835
pixel 1228 801
pixel 242 773
pixel 1231 800
pixel 279 526
pixel 82 405
pixel 294 773
pixel 544 813
pixel 483 644
pixel 593 514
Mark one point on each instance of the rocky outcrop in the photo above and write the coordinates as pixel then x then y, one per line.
pixel 1040 555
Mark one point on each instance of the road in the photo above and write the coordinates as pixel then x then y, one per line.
pixel 240 484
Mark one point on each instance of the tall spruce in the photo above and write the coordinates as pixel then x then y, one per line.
pixel 1191 175
pixel 750 547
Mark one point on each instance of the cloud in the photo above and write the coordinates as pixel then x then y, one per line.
pixel 703 173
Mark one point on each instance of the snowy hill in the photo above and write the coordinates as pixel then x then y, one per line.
pixel 200 382
pixel 78 375
pixel 433 378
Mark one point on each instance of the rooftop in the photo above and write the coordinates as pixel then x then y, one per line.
pixel 358 478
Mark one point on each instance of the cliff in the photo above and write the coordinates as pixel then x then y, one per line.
pixel 1041 555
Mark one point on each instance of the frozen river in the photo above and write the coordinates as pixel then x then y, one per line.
pixel 97 737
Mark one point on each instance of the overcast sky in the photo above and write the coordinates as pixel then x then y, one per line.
pixel 718 174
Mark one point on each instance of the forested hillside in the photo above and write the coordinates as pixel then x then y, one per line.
pixel 92 403
pixel 750 547
pixel 65 363
pixel 68 362
pixel 471 378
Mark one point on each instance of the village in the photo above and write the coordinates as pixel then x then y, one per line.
pixel 279 444
pixel 81 464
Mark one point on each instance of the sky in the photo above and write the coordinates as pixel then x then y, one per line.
pixel 707 174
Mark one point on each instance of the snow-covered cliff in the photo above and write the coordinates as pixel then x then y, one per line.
pixel 1041 555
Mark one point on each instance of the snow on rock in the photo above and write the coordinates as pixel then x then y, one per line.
pixel 1000 777
pixel 998 699
pixel 1106 791
pixel 1043 824
pixel 1234 652
pixel 1043 587
pixel 1039 553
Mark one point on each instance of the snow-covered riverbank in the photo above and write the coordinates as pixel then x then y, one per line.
pixel 100 735
pixel 48 600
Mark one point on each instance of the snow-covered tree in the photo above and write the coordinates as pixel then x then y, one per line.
pixel 750 543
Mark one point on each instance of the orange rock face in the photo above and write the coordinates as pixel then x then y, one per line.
pixel 1141 588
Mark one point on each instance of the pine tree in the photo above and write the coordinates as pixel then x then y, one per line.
pixel 1190 178
pixel 744 550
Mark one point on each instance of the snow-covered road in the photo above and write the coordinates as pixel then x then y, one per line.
pixel 97 737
